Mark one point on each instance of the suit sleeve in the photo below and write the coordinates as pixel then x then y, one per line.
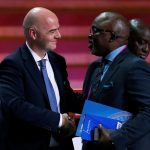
pixel 15 102
pixel 88 78
pixel 138 97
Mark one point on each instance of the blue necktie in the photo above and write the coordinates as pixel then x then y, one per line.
pixel 49 87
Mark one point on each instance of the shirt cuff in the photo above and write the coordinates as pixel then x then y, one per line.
pixel 60 121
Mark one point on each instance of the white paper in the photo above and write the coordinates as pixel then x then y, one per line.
pixel 77 143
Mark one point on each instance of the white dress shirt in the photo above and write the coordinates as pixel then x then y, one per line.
pixel 50 73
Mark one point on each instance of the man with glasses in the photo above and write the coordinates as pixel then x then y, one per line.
pixel 122 82
pixel 139 39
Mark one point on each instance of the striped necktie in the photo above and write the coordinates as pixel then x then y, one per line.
pixel 98 75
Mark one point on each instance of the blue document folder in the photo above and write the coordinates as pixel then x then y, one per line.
pixel 92 121
pixel 98 109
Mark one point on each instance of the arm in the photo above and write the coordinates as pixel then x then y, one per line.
pixel 18 104
pixel 138 99
pixel 138 102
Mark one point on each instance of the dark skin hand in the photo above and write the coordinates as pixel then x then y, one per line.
pixel 105 138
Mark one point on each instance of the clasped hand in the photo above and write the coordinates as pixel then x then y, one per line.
pixel 68 125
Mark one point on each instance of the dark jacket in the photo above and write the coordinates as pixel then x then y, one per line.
pixel 126 86
pixel 25 101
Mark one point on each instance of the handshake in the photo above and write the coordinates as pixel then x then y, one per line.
pixel 68 125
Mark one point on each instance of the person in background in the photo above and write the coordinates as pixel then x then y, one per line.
pixel 36 94
pixel 139 39
pixel 118 79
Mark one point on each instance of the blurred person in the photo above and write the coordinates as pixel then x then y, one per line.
pixel 118 79
pixel 139 39
pixel 36 94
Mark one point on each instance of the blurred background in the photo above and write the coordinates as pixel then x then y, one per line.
pixel 75 17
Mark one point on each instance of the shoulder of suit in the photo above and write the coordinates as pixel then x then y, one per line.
pixel 132 61
pixel 14 56
pixel 54 54
pixel 56 58
pixel 133 58
pixel 94 64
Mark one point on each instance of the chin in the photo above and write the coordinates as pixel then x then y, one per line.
pixel 94 53
pixel 52 48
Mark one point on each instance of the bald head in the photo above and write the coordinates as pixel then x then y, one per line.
pixel 117 23
pixel 41 29
pixel 137 26
pixel 38 16
pixel 108 32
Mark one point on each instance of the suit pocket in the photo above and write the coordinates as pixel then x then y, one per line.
pixel 108 86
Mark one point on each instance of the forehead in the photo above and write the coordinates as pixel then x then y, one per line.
pixel 52 23
pixel 144 34
pixel 48 22
pixel 102 24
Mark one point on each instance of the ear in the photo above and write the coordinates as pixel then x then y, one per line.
pixel 32 33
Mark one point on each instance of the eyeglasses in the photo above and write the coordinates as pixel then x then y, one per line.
pixel 96 31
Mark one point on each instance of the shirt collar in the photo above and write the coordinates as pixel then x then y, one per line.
pixel 112 55
pixel 35 56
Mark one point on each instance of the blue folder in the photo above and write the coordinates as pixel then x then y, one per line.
pixel 103 111
pixel 92 121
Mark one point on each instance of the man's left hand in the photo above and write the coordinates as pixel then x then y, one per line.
pixel 105 138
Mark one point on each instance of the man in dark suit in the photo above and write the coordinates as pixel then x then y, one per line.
pixel 33 122
pixel 123 83
pixel 139 39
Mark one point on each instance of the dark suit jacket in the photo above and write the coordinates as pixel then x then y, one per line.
pixel 25 100
pixel 126 85
pixel 3 128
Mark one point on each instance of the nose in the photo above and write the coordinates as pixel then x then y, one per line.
pixel 90 36
pixel 146 48
pixel 57 34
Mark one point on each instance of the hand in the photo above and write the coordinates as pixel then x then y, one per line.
pixel 68 125
pixel 105 138
pixel 104 135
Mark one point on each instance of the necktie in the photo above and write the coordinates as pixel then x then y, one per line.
pixel 49 87
pixel 104 67
pixel 98 75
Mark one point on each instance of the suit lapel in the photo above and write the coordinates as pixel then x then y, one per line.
pixel 33 70
pixel 114 67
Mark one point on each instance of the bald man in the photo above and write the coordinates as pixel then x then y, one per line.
pixel 35 90
pixel 121 80
pixel 139 39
